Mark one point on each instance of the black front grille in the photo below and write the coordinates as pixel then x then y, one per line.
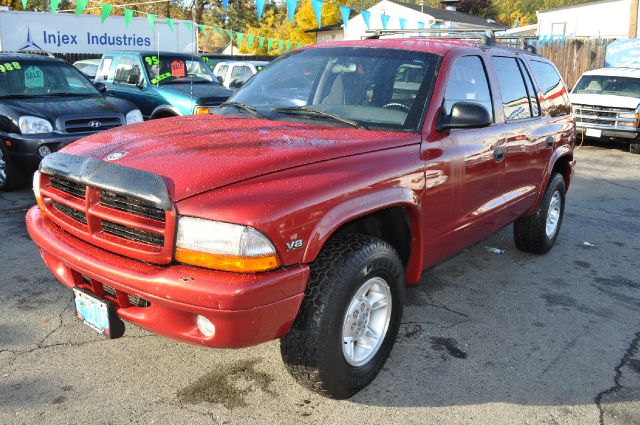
pixel 111 291
pixel 84 125
pixel 132 234
pixel 131 205
pixel 70 212
pixel 67 186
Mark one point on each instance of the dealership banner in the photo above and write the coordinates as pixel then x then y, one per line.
pixel 67 33
pixel 624 53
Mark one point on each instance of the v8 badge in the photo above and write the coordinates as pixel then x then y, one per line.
pixel 296 244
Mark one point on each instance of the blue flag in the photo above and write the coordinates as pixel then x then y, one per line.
pixel 366 15
pixel 385 20
pixel 345 12
pixel 225 4
pixel 291 9
pixel 403 23
pixel 317 10
pixel 550 40
pixel 260 8
pixel 421 25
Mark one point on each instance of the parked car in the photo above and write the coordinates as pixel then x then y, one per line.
pixel 45 104
pixel 274 219
pixel 161 84
pixel 88 67
pixel 606 104
pixel 235 74
pixel 212 59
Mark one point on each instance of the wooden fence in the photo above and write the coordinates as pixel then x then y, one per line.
pixel 576 56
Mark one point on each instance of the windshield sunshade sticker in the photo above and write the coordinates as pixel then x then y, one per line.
pixel 10 66
pixel 161 77
pixel 178 68
pixel 151 60
pixel 33 77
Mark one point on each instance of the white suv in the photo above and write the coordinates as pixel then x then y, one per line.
pixel 606 104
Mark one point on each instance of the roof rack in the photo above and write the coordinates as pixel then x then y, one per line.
pixel 482 35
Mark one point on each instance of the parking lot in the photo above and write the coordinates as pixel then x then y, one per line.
pixel 488 337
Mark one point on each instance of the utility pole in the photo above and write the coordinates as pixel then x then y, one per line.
pixel 633 19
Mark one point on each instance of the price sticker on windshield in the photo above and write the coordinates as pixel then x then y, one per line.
pixel 151 60
pixel 33 77
pixel 178 68
pixel 10 66
pixel 161 77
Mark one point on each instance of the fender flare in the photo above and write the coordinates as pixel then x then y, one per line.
pixel 165 108
pixel 367 204
pixel 562 152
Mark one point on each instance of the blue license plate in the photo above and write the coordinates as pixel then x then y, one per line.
pixel 93 311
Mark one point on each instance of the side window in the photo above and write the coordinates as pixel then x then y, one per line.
pixel 105 66
pixel 222 71
pixel 515 100
pixel 555 99
pixel 127 71
pixel 238 72
pixel 468 83
pixel 533 97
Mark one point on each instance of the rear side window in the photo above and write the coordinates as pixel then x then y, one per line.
pixel 533 98
pixel 554 94
pixel 468 83
pixel 105 66
pixel 222 71
pixel 515 99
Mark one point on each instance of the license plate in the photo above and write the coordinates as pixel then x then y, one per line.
pixel 593 132
pixel 98 314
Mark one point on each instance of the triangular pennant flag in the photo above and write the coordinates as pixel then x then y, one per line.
pixel 420 25
pixel 385 20
pixel 250 38
pixel 225 4
pixel 403 23
pixel 203 29
pixel 260 8
pixel 239 36
pixel 128 15
pixel 169 22
pixel 269 44
pixel 81 5
pixel 188 26
pixel 106 11
pixel 24 4
pixel 298 45
pixel 260 42
pixel 280 45
pixel 317 10
pixel 151 19
pixel 230 34
pixel 291 9
pixel 550 40
pixel 345 12
pixel 54 5
pixel 289 44
pixel 366 15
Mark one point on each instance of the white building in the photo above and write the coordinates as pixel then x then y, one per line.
pixel 607 18
pixel 413 15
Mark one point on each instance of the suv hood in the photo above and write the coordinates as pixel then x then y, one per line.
pixel 196 154
pixel 606 100
pixel 200 92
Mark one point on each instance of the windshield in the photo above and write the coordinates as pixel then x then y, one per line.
pixel 377 88
pixel 37 78
pixel 165 69
pixel 608 84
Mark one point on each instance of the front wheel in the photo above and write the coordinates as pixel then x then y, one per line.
pixel 349 317
pixel 11 178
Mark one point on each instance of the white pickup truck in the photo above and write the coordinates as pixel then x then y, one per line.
pixel 606 104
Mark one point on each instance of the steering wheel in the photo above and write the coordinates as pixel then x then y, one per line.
pixel 397 107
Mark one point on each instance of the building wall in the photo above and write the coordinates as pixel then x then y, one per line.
pixel 356 28
pixel 601 19
pixel 327 36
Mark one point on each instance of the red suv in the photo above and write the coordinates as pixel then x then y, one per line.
pixel 300 211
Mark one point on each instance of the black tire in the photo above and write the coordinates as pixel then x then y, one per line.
pixel 634 148
pixel 11 177
pixel 530 232
pixel 312 350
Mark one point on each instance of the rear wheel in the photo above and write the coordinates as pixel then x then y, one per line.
pixel 634 148
pixel 11 177
pixel 349 317
pixel 537 233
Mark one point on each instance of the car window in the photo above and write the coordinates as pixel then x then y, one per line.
pixel 177 69
pixel 25 77
pixel 222 71
pixel 515 100
pixel 240 72
pixel 468 83
pixel 533 97
pixel 554 93
pixel 127 71
pixel 105 66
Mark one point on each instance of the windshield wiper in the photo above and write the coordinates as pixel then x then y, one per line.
pixel 310 112
pixel 62 94
pixel 243 107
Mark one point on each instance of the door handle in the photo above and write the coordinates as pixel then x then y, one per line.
pixel 549 141
pixel 498 153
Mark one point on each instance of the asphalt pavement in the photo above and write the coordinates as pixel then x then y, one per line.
pixel 492 336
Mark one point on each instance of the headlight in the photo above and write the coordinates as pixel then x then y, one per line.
pixel 34 125
pixel 627 115
pixel 134 117
pixel 224 246
pixel 202 110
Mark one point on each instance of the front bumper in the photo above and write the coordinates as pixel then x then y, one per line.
pixel 246 309
pixel 24 147
pixel 629 134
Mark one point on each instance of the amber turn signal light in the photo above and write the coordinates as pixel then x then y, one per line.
pixel 227 263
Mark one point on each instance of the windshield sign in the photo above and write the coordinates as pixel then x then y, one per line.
pixel 363 87
pixel 608 84
pixel 174 69
pixel 26 78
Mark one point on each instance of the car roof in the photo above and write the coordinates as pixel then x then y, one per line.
pixel 30 56
pixel 244 62
pixel 616 72
pixel 88 61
